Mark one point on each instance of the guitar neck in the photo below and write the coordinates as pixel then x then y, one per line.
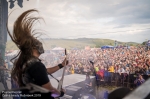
pixel 64 66
pixel 62 78
pixel 64 71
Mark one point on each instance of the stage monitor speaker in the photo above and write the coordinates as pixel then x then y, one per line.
pixel 72 90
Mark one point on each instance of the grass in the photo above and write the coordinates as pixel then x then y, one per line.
pixel 70 43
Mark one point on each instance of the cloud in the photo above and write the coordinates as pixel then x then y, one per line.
pixel 82 18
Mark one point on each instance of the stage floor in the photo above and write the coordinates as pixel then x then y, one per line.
pixel 70 80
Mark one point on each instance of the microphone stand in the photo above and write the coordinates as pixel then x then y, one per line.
pixel 94 71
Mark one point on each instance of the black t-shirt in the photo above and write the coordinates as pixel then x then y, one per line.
pixel 39 73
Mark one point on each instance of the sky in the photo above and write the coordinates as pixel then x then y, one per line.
pixel 121 20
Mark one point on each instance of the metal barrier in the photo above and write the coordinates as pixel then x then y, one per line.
pixel 116 79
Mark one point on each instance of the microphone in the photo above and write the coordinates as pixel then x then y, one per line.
pixel 91 62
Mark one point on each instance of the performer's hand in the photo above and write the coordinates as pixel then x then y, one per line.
pixel 65 62
pixel 56 94
pixel 63 90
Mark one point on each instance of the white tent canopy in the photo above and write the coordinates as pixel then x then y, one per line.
pixel 58 48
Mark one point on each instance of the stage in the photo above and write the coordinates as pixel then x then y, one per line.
pixel 72 79
pixel 74 85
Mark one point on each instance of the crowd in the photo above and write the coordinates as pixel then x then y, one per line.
pixel 109 64
pixel 112 64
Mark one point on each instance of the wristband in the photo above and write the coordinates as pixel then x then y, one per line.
pixel 62 94
pixel 60 66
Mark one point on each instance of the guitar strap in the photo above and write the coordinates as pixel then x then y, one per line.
pixel 53 77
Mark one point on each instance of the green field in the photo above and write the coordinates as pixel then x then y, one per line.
pixel 72 43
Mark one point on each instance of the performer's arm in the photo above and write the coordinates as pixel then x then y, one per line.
pixel 51 88
pixel 52 69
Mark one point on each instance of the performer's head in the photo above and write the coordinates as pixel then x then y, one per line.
pixel 37 48
pixel 23 36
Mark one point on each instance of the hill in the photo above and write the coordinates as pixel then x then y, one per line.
pixel 72 43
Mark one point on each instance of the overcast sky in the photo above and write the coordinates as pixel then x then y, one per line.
pixel 122 20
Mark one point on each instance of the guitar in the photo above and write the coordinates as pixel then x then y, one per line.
pixel 62 78
pixel 60 83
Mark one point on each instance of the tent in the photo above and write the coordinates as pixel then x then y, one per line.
pixel 107 46
pixel 58 49
pixel 148 43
